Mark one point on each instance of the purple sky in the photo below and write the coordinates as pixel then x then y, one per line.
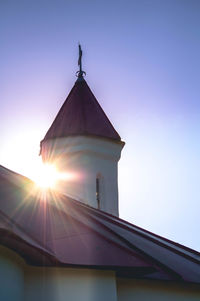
pixel 142 63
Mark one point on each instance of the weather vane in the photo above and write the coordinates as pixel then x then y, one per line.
pixel 80 73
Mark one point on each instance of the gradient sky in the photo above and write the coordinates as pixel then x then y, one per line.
pixel 142 63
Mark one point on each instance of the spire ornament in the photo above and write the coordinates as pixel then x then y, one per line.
pixel 80 73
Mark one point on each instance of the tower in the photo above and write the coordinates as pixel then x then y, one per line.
pixel 82 142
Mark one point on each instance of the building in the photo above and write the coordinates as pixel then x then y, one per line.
pixel 70 244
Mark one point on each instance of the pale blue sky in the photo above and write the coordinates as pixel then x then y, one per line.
pixel 142 63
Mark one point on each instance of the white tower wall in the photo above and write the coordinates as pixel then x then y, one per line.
pixel 93 164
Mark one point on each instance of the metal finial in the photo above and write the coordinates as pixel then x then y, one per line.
pixel 80 73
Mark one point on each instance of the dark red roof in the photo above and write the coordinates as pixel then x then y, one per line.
pixel 81 114
pixel 55 230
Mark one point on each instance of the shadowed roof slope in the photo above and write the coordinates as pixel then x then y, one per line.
pixel 81 114
pixel 55 230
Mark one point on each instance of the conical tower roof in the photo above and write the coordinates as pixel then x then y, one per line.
pixel 81 114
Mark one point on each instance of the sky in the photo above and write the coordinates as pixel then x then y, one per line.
pixel 142 63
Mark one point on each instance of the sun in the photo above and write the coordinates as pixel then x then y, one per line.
pixel 46 176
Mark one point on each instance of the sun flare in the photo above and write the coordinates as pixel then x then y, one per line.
pixel 47 176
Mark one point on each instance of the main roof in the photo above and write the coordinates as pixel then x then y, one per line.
pixel 81 114
pixel 55 230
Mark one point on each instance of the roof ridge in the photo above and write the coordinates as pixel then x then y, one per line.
pixel 13 176
pixel 145 233
pixel 34 240
pixel 131 247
